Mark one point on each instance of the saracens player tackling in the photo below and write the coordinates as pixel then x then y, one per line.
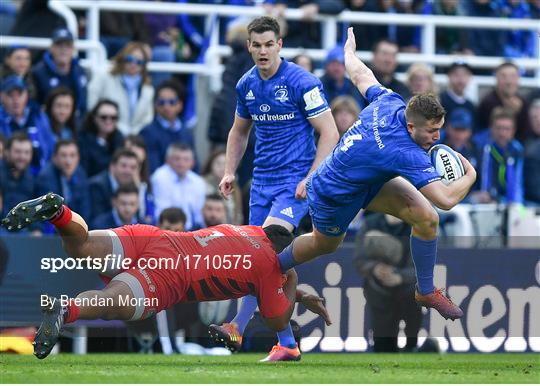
pixel 222 262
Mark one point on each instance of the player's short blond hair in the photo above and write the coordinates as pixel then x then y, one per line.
pixel 423 108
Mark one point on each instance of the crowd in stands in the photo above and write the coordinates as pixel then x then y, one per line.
pixel 118 145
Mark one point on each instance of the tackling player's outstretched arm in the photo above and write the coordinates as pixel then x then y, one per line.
pixel 236 147
pixel 447 196
pixel 360 74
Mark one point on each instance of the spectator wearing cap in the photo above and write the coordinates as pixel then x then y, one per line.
pixel 384 64
pixel 17 115
pixel 505 94
pixel 458 134
pixel 501 163
pixel 334 81
pixel 18 61
pixel 59 68
pixel 129 85
pixel 167 126
pixel 459 76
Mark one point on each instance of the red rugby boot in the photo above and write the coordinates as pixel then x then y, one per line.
pixel 440 302
pixel 283 354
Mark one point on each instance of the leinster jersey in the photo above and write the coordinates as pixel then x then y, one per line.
pixel 280 108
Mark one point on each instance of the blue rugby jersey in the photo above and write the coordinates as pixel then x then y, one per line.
pixel 374 150
pixel 279 108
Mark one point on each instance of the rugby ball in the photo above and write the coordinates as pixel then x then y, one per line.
pixel 214 312
pixel 447 163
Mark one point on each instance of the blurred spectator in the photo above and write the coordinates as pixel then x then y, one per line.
pixel 506 94
pixel 214 211
pixel 2 147
pixel 100 137
pixel 123 170
pixel 18 61
pixel 365 34
pixel 129 85
pixel 485 42
pixel 384 65
pixel 406 37
pixel 64 176
pixel 16 181
pixel 224 106
pixel 125 206
pixel 459 76
pixel 119 28
pixel 501 174
pixel 306 32
pixel 136 144
pixel 304 61
pixel 165 38
pixel 420 79
pixel 59 68
pixel 60 109
pixel 345 111
pixel 531 168
pixel 8 14
pixel 334 81
pixel 213 172
pixel 37 20
pixel 450 40
pixel 176 185
pixel 518 43
pixel 172 219
pixel 383 258
pixel 167 126
pixel 16 114
pixel 535 8
pixel 458 134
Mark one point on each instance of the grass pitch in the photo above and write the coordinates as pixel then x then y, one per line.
pixel 244 368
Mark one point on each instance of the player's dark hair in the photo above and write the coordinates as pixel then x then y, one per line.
pixel 502 113
pixel 126 189
pixel 424 108
pixel 279 236
pixel 262 24
pixel 172 215
pixel 123 152
pixel 18 136
pixel 64 142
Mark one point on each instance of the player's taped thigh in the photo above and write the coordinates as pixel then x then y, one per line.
pixel 137 292
pixel 113 266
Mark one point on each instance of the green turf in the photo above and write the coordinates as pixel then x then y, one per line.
pixel 243 368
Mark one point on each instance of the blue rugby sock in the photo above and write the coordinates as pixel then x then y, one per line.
pixel 247 308
pixel 424 254
pixel 286 337
pixel 286 258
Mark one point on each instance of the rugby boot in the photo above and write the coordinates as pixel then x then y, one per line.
pixel 440 302
pixel 50 328
pixel 226 334
pixel 283 354
pixel 31 211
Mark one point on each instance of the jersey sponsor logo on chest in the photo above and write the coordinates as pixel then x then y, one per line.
pixel 272 117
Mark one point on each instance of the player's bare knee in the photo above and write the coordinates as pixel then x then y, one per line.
pixel 426 222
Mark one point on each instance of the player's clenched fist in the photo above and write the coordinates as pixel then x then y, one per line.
pixel 226 185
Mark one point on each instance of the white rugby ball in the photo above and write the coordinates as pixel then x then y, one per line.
pixel 214 312
pixel 446 163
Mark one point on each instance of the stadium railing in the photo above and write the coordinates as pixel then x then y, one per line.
pixel 212 64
